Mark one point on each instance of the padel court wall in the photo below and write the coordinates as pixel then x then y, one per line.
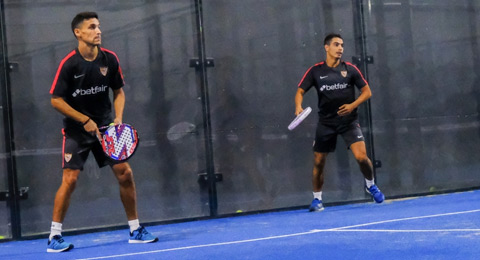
pixel 210 86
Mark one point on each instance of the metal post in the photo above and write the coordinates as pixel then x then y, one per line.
pixel 13 198
pixel 360 36
pixel 202 69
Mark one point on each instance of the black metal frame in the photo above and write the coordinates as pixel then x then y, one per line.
pixel 363 61
pixel 202 63
pixel 12 196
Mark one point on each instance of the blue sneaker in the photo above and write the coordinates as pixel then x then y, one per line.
pixel 57 245
pixel 141 235
pixel 376 193
pixel 316 205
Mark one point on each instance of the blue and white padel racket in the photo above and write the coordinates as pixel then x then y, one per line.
pixel 299 118
pixel 119 142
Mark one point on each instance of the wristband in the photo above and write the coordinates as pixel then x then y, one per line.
pixel 88 120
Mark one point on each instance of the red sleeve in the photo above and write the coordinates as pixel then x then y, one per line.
pixel 118 75
pixel 60 83
pixel 307 81
pixel 358 78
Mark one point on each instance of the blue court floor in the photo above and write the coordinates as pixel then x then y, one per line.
pixel 433 227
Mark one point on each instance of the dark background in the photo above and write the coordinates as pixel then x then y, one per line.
pixel 421 123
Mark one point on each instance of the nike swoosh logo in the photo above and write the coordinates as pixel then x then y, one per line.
pixel 359 136
pixel 323 77
pixel 78 76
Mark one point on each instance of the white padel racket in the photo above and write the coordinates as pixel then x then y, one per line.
pixel 299 118
pixel 119 142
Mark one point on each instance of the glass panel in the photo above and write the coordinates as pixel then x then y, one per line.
pixel 426 100
pixel 261 51
pixel 5 221
pixel 154 41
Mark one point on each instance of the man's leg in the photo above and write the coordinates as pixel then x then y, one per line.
pixel 317 180
pixel 128 195
pixel 60 207
pixel 318 167
pixel 360 152
pixel 62 198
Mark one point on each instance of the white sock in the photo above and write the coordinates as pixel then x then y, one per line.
pixel 370 183
pixel 134 225
pixel 317 195
pixel 56 229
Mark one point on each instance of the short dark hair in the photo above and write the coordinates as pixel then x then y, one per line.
pixel 329 37
pixel 79 18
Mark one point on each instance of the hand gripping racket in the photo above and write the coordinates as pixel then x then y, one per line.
pixel 299 118
pixel 119 142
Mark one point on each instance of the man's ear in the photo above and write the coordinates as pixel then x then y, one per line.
pixel 76 31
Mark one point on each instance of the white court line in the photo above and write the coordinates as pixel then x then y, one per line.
pixel 405 230
pixel 404 219
pixel 206 245
pixel 339 229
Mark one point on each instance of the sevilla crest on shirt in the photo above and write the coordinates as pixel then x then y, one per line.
pixel 104 70
pixel 68 157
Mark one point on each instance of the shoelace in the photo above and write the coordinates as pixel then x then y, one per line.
pixel 59 239
pixel 141 232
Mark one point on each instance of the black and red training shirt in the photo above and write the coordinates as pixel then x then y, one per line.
pixel 85 85
pixel 335 87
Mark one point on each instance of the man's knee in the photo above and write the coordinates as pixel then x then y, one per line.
pixel 319 159
pixel 124 173
pixel 362 158
pixel 70 178
pixel 360 152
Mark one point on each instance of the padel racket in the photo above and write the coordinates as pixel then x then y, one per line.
pixel 119 142
pixel 299 118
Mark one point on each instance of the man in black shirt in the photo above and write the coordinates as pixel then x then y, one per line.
pixel 80 91
pixel 334 81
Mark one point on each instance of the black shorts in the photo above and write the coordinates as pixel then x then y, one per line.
pixel 326 136
pixel 76 149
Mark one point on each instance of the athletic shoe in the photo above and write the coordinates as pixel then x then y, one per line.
pixel 141 235
pixel 376 193
pixel 57 245
pixel 316 205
